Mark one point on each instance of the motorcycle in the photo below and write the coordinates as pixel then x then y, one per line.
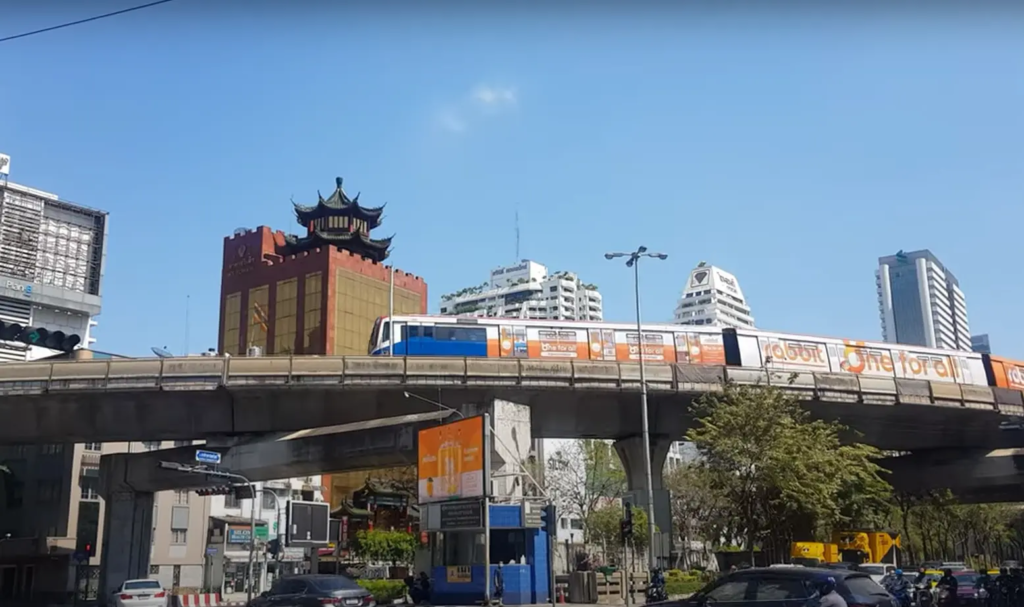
pixel 656 592
pixel 923 596
pixel 902 596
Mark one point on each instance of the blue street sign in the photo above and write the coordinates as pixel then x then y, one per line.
pixel 208 457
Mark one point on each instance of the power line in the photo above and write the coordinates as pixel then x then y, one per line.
pixel 81 21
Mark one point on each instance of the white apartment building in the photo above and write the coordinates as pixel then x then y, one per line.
pixel 713 297
pixel 527 290
pixel 920 302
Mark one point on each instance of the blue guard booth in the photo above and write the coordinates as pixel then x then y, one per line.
pixel 519 550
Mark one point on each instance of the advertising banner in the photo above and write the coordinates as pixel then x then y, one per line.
pixel 658 347
pixel 452 460
pixel 5 165
pixel 700 349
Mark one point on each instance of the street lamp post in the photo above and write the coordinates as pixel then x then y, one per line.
pixel 633 261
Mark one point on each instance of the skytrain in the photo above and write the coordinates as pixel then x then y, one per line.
pixel 425 335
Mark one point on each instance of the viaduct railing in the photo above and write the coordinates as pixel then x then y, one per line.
pixel 383 373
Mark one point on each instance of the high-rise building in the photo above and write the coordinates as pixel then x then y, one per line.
pixel 319 293
pixel 980 344
pixel 713 297
pixel 527 290
pixel 920 302
pixel 52 255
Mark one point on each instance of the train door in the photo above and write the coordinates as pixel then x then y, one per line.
pixel 512 341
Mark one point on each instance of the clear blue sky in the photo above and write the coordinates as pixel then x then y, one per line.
pixel 790 146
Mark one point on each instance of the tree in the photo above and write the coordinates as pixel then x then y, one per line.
pixel 698 509
pixel 604 525
pixel 582 475
pixel 780 473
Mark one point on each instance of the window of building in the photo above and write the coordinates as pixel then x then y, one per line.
pixel 52 449
pixel 312 314
pixel 181 498
pixel 89 487
pixel 179 536
pixel 150 445
pixel 257 318
pixel 230 501
pixel 182 443
pixel 232 322
pixel 93 446
pixel 285 316
pixel 269 501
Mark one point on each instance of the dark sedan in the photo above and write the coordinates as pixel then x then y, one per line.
pixel 785 587
pixel 315 591
pixel 966 593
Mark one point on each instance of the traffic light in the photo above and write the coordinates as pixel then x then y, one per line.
pixel 85 547
pixel 216 490
pixel 627 521
pixel 38 336
pixel 273 547
pixel 549 517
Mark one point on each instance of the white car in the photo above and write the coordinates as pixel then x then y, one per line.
pixel 875 570
pixel 140 593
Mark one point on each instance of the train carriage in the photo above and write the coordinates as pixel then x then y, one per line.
pixel 427 335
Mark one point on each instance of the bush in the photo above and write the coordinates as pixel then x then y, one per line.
pixel 678 586
pixel 384 591
pixel 385 546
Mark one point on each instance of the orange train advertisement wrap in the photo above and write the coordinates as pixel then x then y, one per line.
pixel 451 461
pixel 856 357
pixel 658 347
pixel 1007 373
pixel 523 342
pixel 860 358
pixel 700 349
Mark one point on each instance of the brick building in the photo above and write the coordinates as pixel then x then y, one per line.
pixel 315 294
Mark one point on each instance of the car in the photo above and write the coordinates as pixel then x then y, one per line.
pixel 966 593
pixel 875 570
pixel 315 591
pixel 785 587
pixel 140 593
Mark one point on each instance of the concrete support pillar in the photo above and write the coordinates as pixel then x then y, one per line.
pixel 127 540
pixel 631 453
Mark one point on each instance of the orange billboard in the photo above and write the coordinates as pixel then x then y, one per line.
pixel 451 460
pixel 657 347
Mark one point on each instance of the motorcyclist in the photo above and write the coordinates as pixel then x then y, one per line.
pixel 984 582
pixel 948 581
pixel 829 596
pixel 899 587
pixel 920 577
pixel 1003 587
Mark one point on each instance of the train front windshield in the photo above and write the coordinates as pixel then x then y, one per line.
pixel 374 334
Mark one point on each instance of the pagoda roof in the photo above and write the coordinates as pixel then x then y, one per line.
pixel 357 242
pixel 338 203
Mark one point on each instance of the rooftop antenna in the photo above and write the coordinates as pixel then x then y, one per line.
pixel 517 232
pixel 187 301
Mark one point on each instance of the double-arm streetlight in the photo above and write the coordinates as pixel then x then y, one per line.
pixel 633 261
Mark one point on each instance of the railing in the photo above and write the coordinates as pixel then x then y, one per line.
pixel 374 372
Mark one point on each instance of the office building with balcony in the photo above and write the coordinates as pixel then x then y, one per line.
pixel 527 290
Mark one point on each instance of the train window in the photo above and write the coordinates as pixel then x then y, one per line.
pixel 373 337
pixel 476 334
pixel 386 332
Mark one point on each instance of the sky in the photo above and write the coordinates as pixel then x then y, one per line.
pixel 788 144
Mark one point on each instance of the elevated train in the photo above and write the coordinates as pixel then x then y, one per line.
pixel 426 335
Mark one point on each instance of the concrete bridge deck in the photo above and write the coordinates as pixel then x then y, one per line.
pixel 196 398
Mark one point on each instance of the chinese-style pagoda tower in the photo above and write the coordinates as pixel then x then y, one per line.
pixel 342 222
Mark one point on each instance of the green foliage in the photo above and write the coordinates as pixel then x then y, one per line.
pixel 776 472
pixel 385 546
pixel 685 582
pixel 936 526
pixel 604 526
pixel 384 591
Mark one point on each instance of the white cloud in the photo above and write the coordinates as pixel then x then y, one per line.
pixel 482 100
pixel 493 97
